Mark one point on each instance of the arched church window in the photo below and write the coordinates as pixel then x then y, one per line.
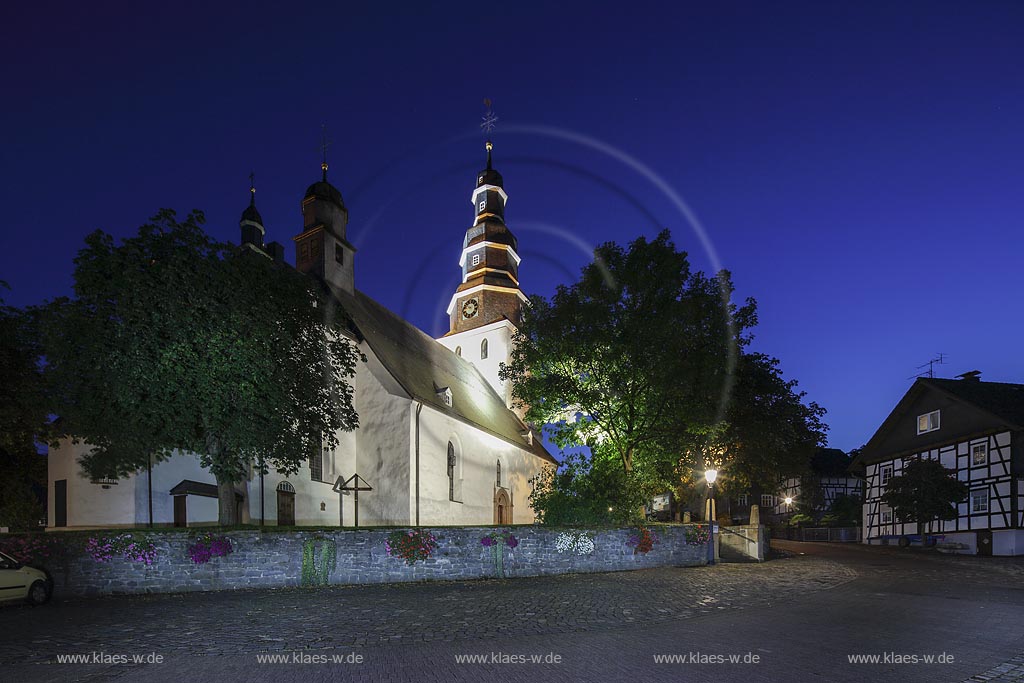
pixel 458 351
pixel 498 478
pixel 483 349
pixel 451 471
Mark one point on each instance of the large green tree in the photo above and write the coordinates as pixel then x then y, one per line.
pixel 629 356
pixel 645 361
pixel 174 341
pixel 770 433
pixel 924 492
pixel 23 420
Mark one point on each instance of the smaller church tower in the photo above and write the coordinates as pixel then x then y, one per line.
pixel 321 248
pixel 486 308
pixel 251 222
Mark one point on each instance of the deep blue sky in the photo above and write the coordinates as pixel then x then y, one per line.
pixel 858 166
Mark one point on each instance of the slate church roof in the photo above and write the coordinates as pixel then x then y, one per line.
pixel 421 365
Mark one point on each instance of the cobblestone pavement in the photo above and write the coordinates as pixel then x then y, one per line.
pixel 1013 670
pixel 802 618
pixel 347 616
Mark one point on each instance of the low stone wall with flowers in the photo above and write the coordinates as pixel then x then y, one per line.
pixel 98 563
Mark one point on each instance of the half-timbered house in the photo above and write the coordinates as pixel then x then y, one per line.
pixel 827 480
pixel 972 427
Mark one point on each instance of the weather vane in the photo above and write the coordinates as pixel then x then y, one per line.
pixel 252 184
pixel 324 144
pixel 489 118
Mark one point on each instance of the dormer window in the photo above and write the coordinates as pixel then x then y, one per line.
pixel 929 422
pixel 445 394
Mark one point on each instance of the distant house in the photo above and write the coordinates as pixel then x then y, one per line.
pixel 829 479
pixel 975 428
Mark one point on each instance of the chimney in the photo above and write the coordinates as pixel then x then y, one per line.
pixel 971 376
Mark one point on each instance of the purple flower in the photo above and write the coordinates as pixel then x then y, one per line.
pixel 487 541
pixel 512 541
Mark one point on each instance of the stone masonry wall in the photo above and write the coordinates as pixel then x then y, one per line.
pixel 274 559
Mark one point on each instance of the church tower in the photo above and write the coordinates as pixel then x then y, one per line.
pixel 251 223
pixel 486 308
pixel 321 248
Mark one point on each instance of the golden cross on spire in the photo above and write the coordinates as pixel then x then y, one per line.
pixel 324 144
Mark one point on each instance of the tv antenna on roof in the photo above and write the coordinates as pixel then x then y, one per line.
pixel 940 359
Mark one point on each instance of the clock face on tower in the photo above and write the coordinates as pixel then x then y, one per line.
pixel 470 308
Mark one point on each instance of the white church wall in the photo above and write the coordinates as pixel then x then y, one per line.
pixel 167 475
pixel 499 345
pixel 88 504
pixel 477 454
pixel 382 454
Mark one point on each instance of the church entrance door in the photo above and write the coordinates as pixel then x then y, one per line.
pixel 502 508
pixel 180 511
pixel 285 508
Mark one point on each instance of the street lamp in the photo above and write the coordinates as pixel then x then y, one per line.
pixel 788 501
pixel 711 475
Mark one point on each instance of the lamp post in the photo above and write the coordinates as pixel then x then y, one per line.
pixel 711 475
pixel 788 501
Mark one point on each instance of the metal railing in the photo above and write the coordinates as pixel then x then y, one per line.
pixel 846 534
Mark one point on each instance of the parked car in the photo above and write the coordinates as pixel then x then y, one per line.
pixel 18 582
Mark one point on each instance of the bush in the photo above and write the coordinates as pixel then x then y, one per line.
pixel 34 549
pixel 411 545
pixel 800 519
pixel 209 546
pixel 583 492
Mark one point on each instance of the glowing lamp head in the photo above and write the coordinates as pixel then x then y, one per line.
pixel 789 500
pixel 711 476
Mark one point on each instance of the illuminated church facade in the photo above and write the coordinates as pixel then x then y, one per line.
pixel 438 441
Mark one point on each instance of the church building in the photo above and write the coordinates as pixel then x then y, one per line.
pixel 438 441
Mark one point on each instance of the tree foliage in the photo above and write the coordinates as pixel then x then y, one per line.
pixel 23 420
pixel 586 492
pixel 637 350
pixel 771 432
pixel 175 342
pixel 644 361
pixel 924 492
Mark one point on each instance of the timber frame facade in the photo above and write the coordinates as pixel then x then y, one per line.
pixel 971 427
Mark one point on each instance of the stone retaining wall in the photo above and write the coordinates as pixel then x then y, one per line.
pixel 274 559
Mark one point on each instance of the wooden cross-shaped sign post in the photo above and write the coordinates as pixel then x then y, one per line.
pixel 356 484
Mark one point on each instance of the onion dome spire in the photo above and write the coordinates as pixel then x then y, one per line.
pixel 251 222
